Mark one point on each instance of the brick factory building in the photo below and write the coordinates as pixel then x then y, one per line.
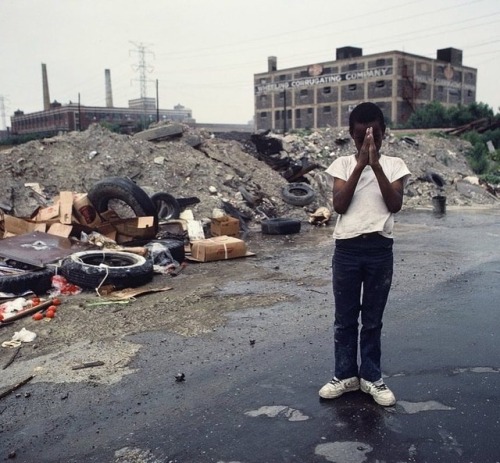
pixel 56 117
pixel 72 116
pixel 323 94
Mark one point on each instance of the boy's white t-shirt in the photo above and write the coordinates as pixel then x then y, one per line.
pixel 367 212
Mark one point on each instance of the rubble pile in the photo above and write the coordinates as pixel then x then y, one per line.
pixel 219 169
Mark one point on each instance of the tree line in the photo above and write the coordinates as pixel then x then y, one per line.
pixel 484 155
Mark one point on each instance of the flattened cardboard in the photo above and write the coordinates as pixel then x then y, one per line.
pixel 218 248
pixel 60 229
pixel 225 225
pixel 15 226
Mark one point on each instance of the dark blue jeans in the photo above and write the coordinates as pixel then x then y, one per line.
pixel 362 277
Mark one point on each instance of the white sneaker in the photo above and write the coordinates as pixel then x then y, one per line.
pixel 379 391
pixel 336 387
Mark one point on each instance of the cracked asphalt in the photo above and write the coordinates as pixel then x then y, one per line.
pixel 252 375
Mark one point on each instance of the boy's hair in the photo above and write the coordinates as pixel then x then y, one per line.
pixel 364 113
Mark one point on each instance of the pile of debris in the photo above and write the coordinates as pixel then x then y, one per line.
pixel 248 174
pixel 97 207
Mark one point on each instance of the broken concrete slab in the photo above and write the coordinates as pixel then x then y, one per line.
pixel 163 131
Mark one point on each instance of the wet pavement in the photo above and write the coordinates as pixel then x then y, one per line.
pixel 251 386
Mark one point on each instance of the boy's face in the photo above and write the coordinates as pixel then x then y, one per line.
pixel 359 131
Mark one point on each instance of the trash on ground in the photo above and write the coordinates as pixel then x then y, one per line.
pixel 130 293
pixel 225 225
pixel 320 216
pixel 218 248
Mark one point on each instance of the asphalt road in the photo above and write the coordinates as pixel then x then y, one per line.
pixel 250 392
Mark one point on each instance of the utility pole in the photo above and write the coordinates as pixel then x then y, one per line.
pixel 284 113
pixel 157 103
pixel 2 113
pixel 142 68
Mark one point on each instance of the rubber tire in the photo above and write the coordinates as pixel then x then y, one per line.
pixel 436 179
pixel 123 189
pixel 37 281
pixel 124 269
pixel 280 226
pixel 298 194
pixel 188 201
pixel 249 199
pixel 176 248
pixel 165 202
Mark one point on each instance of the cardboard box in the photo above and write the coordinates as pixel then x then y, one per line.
pixel 226 225
pixel 134 228
pixel 85 212
pixel 218 248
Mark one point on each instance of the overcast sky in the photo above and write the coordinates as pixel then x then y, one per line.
pixel 204 53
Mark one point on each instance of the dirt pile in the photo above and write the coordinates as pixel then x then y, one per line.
pixel 220 167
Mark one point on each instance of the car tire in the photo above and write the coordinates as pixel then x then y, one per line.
pixel 298 194
pixel 167 207
pixel 125 190
pixel 91 269
pixel 37 281
pixel 249 199
pixel 280 226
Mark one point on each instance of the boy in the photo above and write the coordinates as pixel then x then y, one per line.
pixel 367 191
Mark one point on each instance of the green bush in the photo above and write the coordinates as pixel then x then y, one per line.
pixel 435 115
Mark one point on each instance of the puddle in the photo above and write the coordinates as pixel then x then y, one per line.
pixel 417 407
pixel 345 452
pixel 278 411
pixel 477 370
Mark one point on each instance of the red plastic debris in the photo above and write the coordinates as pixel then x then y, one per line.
pixel 62 286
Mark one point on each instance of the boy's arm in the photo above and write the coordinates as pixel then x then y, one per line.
pixel 391 192
pixel 343 190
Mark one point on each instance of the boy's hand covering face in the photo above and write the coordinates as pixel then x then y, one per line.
pixel 368 140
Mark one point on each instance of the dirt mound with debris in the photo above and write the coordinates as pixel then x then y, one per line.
pixel 224 169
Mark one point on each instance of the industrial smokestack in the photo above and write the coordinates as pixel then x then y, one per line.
pixel 109 93
pixel 45 83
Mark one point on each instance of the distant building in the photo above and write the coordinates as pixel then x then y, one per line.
pixel 323 94
pixel 72 116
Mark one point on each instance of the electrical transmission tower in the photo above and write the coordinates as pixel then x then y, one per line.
pixel 142 67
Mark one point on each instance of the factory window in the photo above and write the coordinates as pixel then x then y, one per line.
pixel 304 93
pixel 327 90
pixel 353 66
pixel 263 99
pixel 263 115
pixel 423 67
pixel 297 114
pixel 469 92
pixel 283 77
pixel 440 89
pixel 304 73
pixel 352 87
pixel 263 80
pixel 327 109
pixel 380 62
pixel 423 85
pixel 380 83
pixel 309 110
pixel 277 115
pixel 327 70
